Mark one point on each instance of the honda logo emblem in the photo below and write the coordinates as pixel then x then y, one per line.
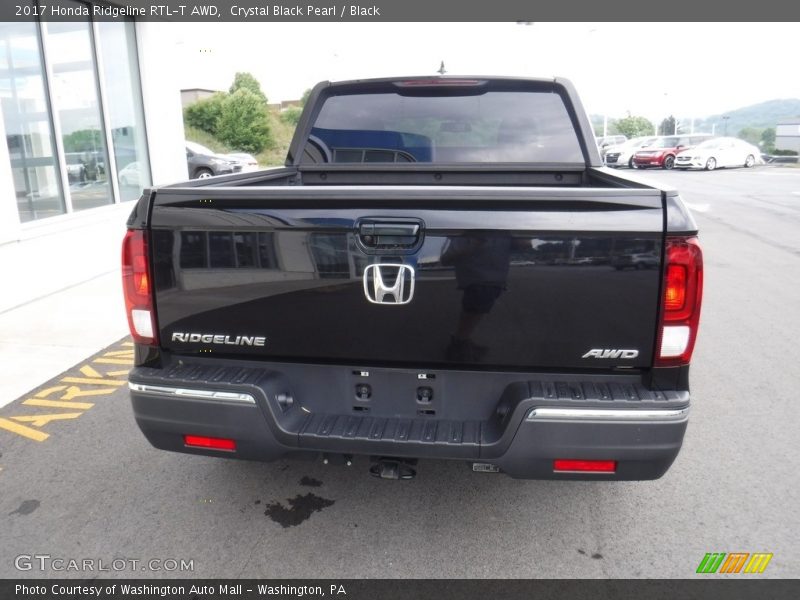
pixel 389 283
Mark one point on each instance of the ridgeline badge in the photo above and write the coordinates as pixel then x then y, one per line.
pixel 218 338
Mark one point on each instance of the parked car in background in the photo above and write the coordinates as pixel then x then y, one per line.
pixel 203 162
pixel 605 142
pixel 85 166
pixel 611 140
pixel 621 155
pixel 76 169
pixel 662 152
pixel 129 175
pixel 718 152
pixel 247 161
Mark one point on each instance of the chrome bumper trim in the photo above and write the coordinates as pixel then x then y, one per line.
pixel 610 414
pixel 171 392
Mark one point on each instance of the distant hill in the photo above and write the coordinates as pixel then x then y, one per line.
pixel 759 116
pixel 762 115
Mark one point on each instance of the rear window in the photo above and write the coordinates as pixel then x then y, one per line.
pixel 496 126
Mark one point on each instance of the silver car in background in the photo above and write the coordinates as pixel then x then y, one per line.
pixel 622 154
pixel 247 161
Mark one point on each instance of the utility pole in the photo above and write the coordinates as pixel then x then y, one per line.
pixel 725 120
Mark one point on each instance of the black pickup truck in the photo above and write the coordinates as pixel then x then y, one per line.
pixel 443 269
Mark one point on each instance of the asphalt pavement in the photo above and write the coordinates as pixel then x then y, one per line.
pixel 88 486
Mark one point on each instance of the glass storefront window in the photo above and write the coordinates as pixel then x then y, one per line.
pixel 71 107
pixel 120 76
pixel 74 93
pixel 28 125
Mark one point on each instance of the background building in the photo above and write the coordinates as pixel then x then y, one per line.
pixel 192 95
pixel 90 116
pixel 787 135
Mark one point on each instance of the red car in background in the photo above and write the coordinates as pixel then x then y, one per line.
pixel 662 152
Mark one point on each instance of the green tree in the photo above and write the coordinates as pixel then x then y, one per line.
pixel 633 127
pixel 83 140
pixel 305 96
pixel 768 139
pixel 291 115
pixel 667 126
pixel 245 81
pixel 751 135
pixel 205 114
pixel 244 123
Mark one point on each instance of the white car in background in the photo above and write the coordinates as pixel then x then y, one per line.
pixel 717 153
pixel 605 142
pixel 622 154
pixel 129 175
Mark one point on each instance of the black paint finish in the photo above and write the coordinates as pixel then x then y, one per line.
pixel 538 285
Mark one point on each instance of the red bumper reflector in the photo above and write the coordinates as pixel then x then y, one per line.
pixel 201 441
pixel 592 466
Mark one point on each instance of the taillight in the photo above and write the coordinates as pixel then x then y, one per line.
pixel 680 305
pixel 567 465
pixel 137 285
pixel 675 287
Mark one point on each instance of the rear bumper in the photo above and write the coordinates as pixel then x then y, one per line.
pixel 531 427
pixel 644 447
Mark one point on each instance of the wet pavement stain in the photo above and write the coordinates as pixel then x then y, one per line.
pixel 310 481
pixel 597 556
pixel 26 508
pixel 302 507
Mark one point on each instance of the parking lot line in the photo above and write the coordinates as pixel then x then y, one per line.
pixel 58 404
pixel 59 394
pixel 24 431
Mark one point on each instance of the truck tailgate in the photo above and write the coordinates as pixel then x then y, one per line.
pixel 521 277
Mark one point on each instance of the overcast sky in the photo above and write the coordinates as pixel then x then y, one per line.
pixel 649 69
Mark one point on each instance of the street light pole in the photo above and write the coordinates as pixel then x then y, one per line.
pixel 725 120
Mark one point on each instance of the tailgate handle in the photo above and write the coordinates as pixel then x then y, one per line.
pixel 385 234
